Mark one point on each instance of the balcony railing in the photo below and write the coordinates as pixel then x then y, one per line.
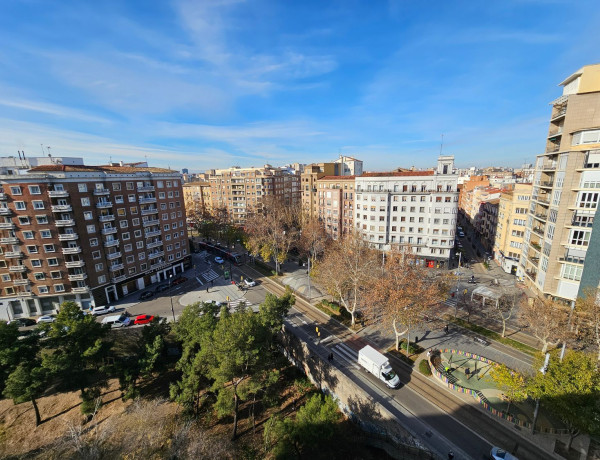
pixel 531 274
pixel 5 212
pixel 21 282
pixel 548 184
pixel 146 212
pixel 536 246
pixel 78 277
pixel 104 204
pixel 154 244
pixel 118 279
pixel 156 254
pixel 107 218
pixel 72 250
pixel 80 290
pixel 152 233
pixel 64 222
pixel 68 236
pixel 24 294
pixel 17 268
pixel 13 254
pixel 101 191
pixel 147 223
pixel 58 193
pixel 113 255
pixel 539 230
pixel 9 240
pixel 111 243
pixel 75 264
pixel 549 166
pixel 109 230
pixel 115 267
pixel 158 265
pixel 7 226
pixel 147 199
pixel 572 260
pixel 3 196
pixel 146 188
pixel 61 208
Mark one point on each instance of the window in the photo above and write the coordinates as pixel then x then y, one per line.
pixel 99 267
pixel 133 210
pixel 49 248
pixel 56 275
pixel 32 249
pixel 39 276
pixel 52 262
pixel 96 255
pixel 41 219
pixel 93 241
pixel 43 289
pixel 130 259
pixel 82 187
pixel 23 220
pixel 119 199
pixel 166 227
pixel 6 277
pixel 123 224
pixel 102 279
pixel 35 190
pixel 36 263
pixel 141 255
pixel 59 288
pixel 137 234
pixel 129 185
pixel 87 215
pixel 580 238
pixel 131 198
pixel 20 205
pixel 135 222
pixel 139 244
pixel 132 270
pixel 46 233
pixel 128 248
pixel 15 190
pixel 37 204
pixel 91 229
pixel 159 184
pixel 121 212
pixel 116 186
pixel 126 236
pixel 28 235
pixel 161 195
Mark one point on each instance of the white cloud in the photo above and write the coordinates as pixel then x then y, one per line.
pixel 52 109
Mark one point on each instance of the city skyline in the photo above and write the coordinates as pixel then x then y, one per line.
pixel 198 85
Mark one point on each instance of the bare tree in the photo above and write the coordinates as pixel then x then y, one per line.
pixel 313 239
pixel 546 319
pixel 504 309
pixel 346 270
pixel 405 292
pixel 588 313
pixel 273 230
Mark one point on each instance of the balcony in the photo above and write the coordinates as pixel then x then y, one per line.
pixel 111 243
pixel 531 274
pixel 78 277
pixel 109 230
pixel 572 260
pixel 539 230
pixel 72 250
pixel 541 216
pixel 80 290
pixel 24 294
pixel 147 223
pixel 9 240
pixel 5 212
pixel 152 233
pixel 104 204
pixel 146 212
pixel 13 254
pixel 554 134
pixel 549 166
pixel 154 244
pixel 61 208
pixel 147 199
pixel 541 200
pixel 107 218
pixel 17 268
pixel 64 222
pixel 158 265
pixel 547 184
pixel 156 254
pixel 118 279
pixel 58 193
pixel 68 236
pixel 146 188
pixel 75 264
pixel 3 196
pixel 536 247
pixel 101 191
pixel 115 267
pixel 7 226
pixel 21 282
pixel 113 255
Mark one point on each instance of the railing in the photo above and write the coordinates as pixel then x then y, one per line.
pixel 5 212
pixel 146 188
pixel 156 254
pixel 572 260
pixel 109 231
pixel 3 196
pixel 118 279
pixel 104 204
pixel 541 216
pixel 17 268
pixel 539 231
pixel 58 193
pixel 61 208
pixel 151 234
pixel 75 264
pixel 9 240
pixel 7 226
pixel 147 199
pixel 547 183
pixel 78 277
pixel 22 282
pixel 113 255
pixel 111 243
pixel 80 290
pixel 64 222
pixel 536 246
pixel 531 274
pixel 107 218
pixel 146 212
pixel 115 267
pixel 72 250
pixel 147 223
pixel 154 244
pixel 549 166
pixel 101 191
pixel 68 236
pixel 13 254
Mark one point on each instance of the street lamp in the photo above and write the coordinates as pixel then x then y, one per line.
pixel 171 297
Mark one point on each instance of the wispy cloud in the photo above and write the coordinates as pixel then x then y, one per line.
pixel 52 109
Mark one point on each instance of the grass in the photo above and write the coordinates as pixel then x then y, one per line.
pixel 424 368
pixel 263 268
pixel 494 336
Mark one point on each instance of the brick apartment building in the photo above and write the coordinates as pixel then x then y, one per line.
pixel 91 234
pixel 336 204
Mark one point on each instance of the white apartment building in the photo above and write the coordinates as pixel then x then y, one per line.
pixel 416 208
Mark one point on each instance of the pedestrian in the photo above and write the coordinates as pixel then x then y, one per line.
pixel 450 455
pixel 207 288
pixel 446 328
pixel 212 282
pixel 428 353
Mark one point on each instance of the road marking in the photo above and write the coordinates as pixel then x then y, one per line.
pixel 198 279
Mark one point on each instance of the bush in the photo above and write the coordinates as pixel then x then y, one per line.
pixel 413 348
pixel 424 368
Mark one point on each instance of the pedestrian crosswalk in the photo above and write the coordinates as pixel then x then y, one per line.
pixel 347 354
pixel 451 302
pixel 210 275
pixel 236 304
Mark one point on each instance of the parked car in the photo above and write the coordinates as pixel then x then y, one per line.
pixel 219 260
pixel 214 302
pixel 143 319
pixel 461 234
pixel 146 295
pixel 161 288
pixel 249 282
pixel 46 319
pixel 117 321
pixel 22 322
pixel 181 279
pixel 102 309
pixel 500 454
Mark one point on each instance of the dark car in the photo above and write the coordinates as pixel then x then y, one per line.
pixel 161 288
pixel 143 319
pixel 147 295
pixel 181 279
pixel 22 322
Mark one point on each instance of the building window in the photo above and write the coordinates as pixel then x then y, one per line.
pixel 38 204
pixel 35 190
pixel 46 233
pixel 49 248
pixel 135 222
pixel 126 236
pixel 96 255
pixel 132 271
pixel 42 219
pixel 52 262
pixel 23 220
pixel 87 215
pixel 123 224
pixel 15 190
pixel 133 210
pixel 91 229
pixel 130 259
pixel 129 185
pixel 55 275
pixel 39 276
pixel 82 187
pixel 102 279
pixel 139 244
pixel 131 198
pixel 141 255
pixel 121 212
pixel 85 201
pixel 28 235
pixel 137 233
pixel 128 248
pixel 59 288
pixel 20 205
pixel 32 249
pixel 93 242
pixel 119 199
pixel 36 263
pixel 116 186
pixel 43 289
pixel 99 267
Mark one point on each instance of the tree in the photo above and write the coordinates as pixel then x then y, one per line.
pixel 313 239
pixel 588 312
pixel 9 350
pixel 571 390
pixel 546 319
pixel 76 352
pixel 274 310
pixel 309 434
pixel 346 270
pixel 405 292
pixel 273 230
pixel 26 384
pixel 504 309
pixel 510 382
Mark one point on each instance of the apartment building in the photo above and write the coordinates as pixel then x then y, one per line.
pixel 308 178
pixel 566 187
pixel 510 230
pixel 349 166
pixel 240 190
pixel 486 222
pixel 196 197
pixel 336 204
pixel 417 208
pixel 474 201
pixel 467 187
pixel 90 234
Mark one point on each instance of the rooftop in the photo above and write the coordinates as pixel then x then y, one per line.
pixel 104 169
pixel 399 174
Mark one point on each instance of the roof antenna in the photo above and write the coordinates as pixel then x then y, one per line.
pixel 42 146
pixel 442 145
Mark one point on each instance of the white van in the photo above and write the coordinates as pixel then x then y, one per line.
pixel 117 321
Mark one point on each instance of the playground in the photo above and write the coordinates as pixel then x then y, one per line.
pixel 471 374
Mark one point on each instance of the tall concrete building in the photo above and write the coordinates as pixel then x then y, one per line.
pixel 196 197
pixel 510 230
pixel 309 177
pixel 336 204
pixel 561 226
pixel 240 190
pixel 417 208
pixel 90 234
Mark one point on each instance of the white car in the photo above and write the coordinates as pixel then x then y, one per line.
pixel 249 282
pixel 46 319
pixel 219 260
pixel 500 454
pixel 102 309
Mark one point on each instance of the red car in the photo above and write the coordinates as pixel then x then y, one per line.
pixel 179 280
pixel 143 319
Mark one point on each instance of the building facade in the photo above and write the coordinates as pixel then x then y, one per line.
pixel 309 177
pixel 90 234
pixel 416 208
pixel 565 193
pixel 336 204
pixel 196 197
pixel 510 230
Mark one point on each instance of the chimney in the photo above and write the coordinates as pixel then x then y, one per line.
pixel 121 163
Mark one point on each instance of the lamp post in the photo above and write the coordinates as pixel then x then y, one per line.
pixel 171 297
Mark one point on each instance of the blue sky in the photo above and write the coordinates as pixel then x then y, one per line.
pixel 202 84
